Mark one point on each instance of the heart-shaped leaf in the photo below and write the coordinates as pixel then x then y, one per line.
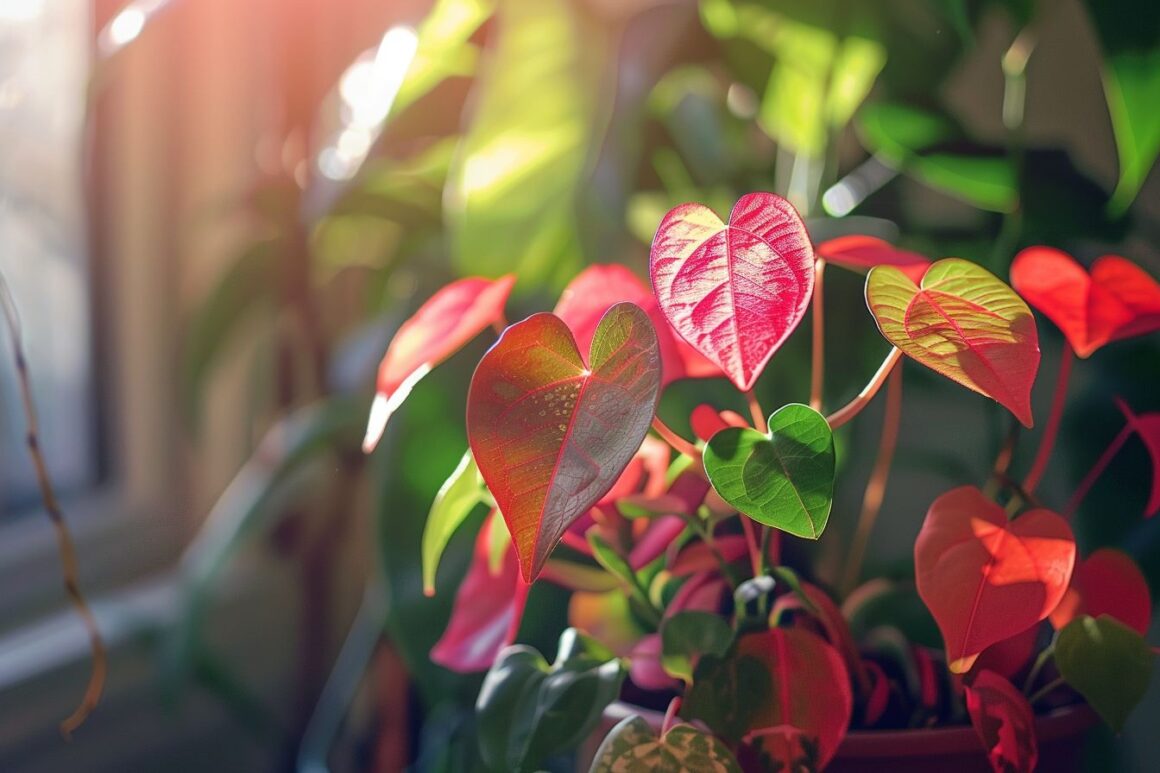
pixel 1004 723
pixel 1107 582
pixel 597 288
pixel 456 498
pixel 550 433
pixel 785 676
pixel 528 710
pixel 862 253
pixel 963 323
pixel 1147 427
pixel 448 320
pixel 488 606
pixel 1107 663
pixel 689 634
pixel 634 747
pixel 1116 300
pixel 734 291
pixel 784 479
pixel 782 748
pixel 985 578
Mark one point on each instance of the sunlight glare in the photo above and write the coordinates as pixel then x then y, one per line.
pixel 20 10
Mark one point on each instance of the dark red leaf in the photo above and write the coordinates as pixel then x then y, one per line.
pixel 833 623
pixel 488 606
pixel 985 578
pixel 448 320
pixel 862 253
pixel 1107 582
pixel 551 433
pixel 1008 657
pixel 697 556
pixel 595 289
pixel 734 291
pixel 1003 719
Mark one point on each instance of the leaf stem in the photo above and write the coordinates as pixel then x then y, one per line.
pixel 1051 430
pixel 855 406
pixel 678 443
pixel 1047 689
pixel 1002 462
pixel 64 541
pixel 499 324
pixel 671 714
pixel 817 360
pixel 752 543
pixel 876 485
pixel 1037 667
pixel 520 601
pixel 756 412
pixel 1096 471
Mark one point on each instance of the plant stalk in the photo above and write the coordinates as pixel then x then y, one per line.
pixel 678 443
pixel 755 411
pixel 855 406
pixel 1096 471
pixel 1051 430
pixel 817 359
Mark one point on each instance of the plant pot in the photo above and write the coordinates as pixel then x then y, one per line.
pixel 1061 735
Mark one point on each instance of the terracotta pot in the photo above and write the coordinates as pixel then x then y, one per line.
pixel 1061 733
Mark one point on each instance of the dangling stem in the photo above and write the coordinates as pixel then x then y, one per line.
pixel 1047 689
pixel 1096 471
pixel 673 439
pixel 756 412
pixel 876 486
pixel 751 543
pixel 65 546
pixel 1051 430
pixel 855 406
pixel 817 363
pixel 671 714
pixel 1002 462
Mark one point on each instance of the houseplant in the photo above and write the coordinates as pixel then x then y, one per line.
pixel 691 594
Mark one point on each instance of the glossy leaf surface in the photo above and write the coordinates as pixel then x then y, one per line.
pixel 985 578
pixel 1116 300
pixel 862 253
pixel 458 496
pixel 486 605
pixel 448 320
pixel 964 323
pixel 784 479
pixel 734 291
pixel 1107 582
pixel 551 433
pixel 632 746
pixel 1107 663
pixel 1004 722
pixel 528 710
pixel 598 288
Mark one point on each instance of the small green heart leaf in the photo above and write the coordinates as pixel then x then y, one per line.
pixel 1107 663
pixel 784 479
pixel 687 635
pixel 716 696
pixel 457 497
pixel 633 747
pixel 528 710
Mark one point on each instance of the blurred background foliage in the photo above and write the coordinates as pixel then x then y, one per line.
pixel 537 136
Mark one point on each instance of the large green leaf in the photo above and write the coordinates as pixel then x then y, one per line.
pixel 529 710
pixel 634 747
pixel 444 50
pixel 784 479
pixel 1129 33
pixel 1107 662
pixel 458 496
pixel 511 194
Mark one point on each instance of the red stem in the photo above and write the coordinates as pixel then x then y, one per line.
pixel 818 365
pixel 752 543
pixel 756 412
pixel 855 406
pixel 521 599
pixel 671 714
pixel 673 439
pixel 1096 471
pixel 1051 431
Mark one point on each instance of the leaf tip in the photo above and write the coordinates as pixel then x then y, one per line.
pixel 377 422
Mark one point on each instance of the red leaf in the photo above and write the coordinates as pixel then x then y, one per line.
pixel 448 320
pixel 706 421
pixel 550 433
pixel 1147 426
pixel 486 614
pixel 1107 582
pixel 809 683
pixel 697 556
pixel 781 748
pixel 833 623
pixel 1003 719
pixel 1008 657
pixel 862 253
pixel 1116 300
pixel 985 578
pixel 736 291
pixel 595 289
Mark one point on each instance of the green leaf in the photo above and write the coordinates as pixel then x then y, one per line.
pixel 1107 663
pixel 784 479
pixel 633 747
pixel 688 635
pixel 511 195
pixel 444 50
pixel 247 285
pixel 607 557
pixel 1129 33
pixel 727 694
pixel 458 496
pixel 529 710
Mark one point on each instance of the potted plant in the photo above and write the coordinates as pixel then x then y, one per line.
pixel 694 615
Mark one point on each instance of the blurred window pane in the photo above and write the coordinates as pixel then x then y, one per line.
pixel 45 50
